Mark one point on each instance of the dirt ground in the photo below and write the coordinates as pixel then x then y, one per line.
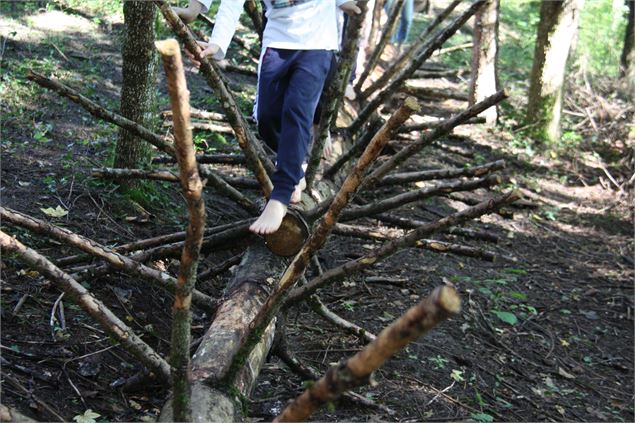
pixel 563 268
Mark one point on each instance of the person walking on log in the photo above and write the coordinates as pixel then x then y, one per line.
pixel 298 44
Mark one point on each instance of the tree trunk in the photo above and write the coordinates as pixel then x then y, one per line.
pixel 138 91
pixel 556 31
pixel 627 61
pixel 484 81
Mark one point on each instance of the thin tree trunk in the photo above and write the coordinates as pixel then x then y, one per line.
pixel 484 78
pixel 556 30
pixel 139 71
pixel 627 60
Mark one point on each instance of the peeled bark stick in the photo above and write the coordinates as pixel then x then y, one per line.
pixel 200 114
pixel 348 327
pixel 403 222
pixel 389 28
pixel 391 247
pixel 169 176
pixel 433 125
pixel 229 159
pixel 335 92
pixel 256 158
pixel 223 238
pixel 162 143
pixel 413 50
pixel 116 260
pixel 207 126
pixel 375 24
pixel 419 194
pixel 380 234
pixel 193 192
pixel 91 305
pixel 145 243
pixel 318 237
pixel 427 175
pixel 443 129
pixel 356 371
pixel 436 42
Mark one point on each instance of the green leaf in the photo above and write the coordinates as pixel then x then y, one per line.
pixel 89 416
pixel 54 212
pixel 506 316
pixel 482 417
pixel 518 295
pixel 457 375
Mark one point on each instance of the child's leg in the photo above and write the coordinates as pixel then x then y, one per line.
pixel 273 80
pixel 308 72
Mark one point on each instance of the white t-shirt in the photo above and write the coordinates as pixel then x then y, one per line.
pixel 291 24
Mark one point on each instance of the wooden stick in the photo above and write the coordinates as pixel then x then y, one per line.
pixel 317 239
pixel 418 320
pixel 230 159
pixel 91 305
pixel 382 234
pixel 426 92
pixel 392 247
pixel 419 194
pixel 193 192
pixel 116 260
pixel 335 92
pixel 443 129
pixel 436 42
pixel 162 143
pixel 432 125
pixel 427 175
pixel 413 51
pixel 349 327
pixel 256 158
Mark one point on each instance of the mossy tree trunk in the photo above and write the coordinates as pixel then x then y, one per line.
pixel 556 30
pixel 484 78
pixel 138 91
pixel 627 61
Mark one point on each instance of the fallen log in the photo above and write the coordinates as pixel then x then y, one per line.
pixel 427 175
pixel 230 159
pixel 435 93
pixel 441 304
pixel 432 125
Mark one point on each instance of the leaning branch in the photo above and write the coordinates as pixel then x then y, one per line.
pixel 91 305
pixel 116 260
pixel 389 248
pixel 356 371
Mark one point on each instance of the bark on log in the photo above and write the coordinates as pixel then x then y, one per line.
pixel 391 247
pixel 91 305
pixel 229 159
pixel 193 192
pixel 433 125
pixel 116 260
pixel 441 304
pixel 425 92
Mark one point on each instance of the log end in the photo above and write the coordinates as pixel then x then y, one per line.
pixel 412 104
pixel 448 299
pixel 168 47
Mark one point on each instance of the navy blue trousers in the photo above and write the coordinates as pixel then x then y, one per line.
pixel 289 87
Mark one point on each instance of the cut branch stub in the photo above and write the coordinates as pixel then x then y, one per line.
pixel 256 157
pixel 91 305
pixel 441 304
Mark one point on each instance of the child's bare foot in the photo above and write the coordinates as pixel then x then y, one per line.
pixel 270 219
pixel 296 197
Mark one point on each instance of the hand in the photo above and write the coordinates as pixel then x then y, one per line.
pixel 188 14
pixel 208 49
pixel 350 8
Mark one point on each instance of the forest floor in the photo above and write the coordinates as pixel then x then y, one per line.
pixel 564 265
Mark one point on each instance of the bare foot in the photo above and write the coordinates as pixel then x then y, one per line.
pixel 296 196
pixel 270 219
